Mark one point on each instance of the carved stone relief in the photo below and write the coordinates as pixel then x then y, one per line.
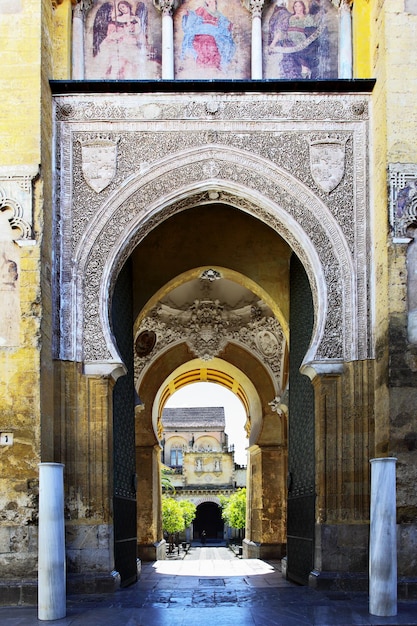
pixel 99 161
pixel 175 152
pixel 208 326
pixel 16 201
pixel 15 228
pixel 9 283
pixel 403 199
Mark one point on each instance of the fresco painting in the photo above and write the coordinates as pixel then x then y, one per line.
pixel 212 40
pixel 123 41
pixel 300 40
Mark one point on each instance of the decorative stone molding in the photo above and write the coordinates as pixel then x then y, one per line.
pixel 300 108
pixel 402 199
pixel 277 406
pixel 189 156
pixel 207 327
pixel 16 201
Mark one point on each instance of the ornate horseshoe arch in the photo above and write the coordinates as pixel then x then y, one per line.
pixel 236 178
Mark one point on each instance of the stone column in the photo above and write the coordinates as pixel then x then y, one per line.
pixel 167 7
pixel 383 539
pixel 256 6
pixel 78 38
pixel 51 562
pixel 344 410
pixel 266 510
pixel 151 545
pixel 345 40
pixel 86 436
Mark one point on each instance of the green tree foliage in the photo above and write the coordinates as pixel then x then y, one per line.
pixel 188 511
pixel 166 482
pixel 234 509
pixel 176 516
pixel 172 517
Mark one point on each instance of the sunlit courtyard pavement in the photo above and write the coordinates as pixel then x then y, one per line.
pixel 211 586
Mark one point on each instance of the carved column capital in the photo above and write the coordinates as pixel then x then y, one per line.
pixel 81 8
pixel 254 6
pixel 346 4
pixel 167 7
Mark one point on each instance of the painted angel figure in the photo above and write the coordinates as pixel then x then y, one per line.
pixel 118 34
pixel 294 36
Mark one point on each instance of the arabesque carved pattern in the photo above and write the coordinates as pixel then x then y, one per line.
pixel 175 153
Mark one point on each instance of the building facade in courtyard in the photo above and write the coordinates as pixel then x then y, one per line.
pixel 195 447
pixel 219 191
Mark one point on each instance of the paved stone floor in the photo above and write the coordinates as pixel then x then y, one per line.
pixel 212 587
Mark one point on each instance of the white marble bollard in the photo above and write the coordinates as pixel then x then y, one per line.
pixel 383 539
pixel 51 556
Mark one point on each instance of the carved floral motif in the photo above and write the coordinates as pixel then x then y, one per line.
pixel 161 149
pixel 207 327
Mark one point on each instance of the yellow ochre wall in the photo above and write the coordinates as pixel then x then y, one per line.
pixel 35 47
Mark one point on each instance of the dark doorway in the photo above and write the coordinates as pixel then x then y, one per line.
pixel 301 448
pixel 208 519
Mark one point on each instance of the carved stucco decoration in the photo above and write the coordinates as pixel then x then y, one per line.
pixel 207 326
pixel 16 201
pixel 403 199
pixel 257 165
pixel 300 108
pixel 327 160
pixel 99 160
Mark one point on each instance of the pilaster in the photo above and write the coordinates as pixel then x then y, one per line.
pixel 266 511
pixel 344 427
pixel 85 444
pixel 151 545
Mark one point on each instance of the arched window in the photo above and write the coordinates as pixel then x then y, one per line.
pixel 176 457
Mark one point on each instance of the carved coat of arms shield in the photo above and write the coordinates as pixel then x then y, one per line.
pixel 327 162
pixel 99 162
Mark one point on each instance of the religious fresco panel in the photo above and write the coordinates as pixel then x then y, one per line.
pixel 212 40
pixel 300 39
pixel 123 41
